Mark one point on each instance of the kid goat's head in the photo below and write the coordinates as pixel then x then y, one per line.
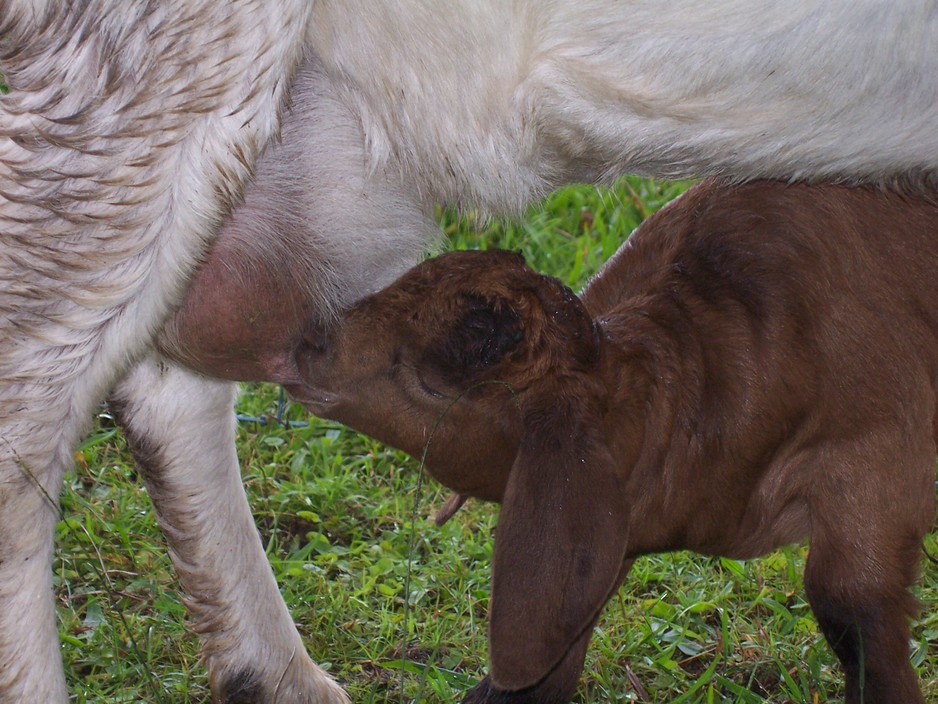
pixel 490 369
pixel 444 360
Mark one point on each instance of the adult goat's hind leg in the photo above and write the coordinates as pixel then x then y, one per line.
pixel 181 428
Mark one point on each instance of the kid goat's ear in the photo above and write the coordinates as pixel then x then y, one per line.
pixel 486 330
pixel 559 548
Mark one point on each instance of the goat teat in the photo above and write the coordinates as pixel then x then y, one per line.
pixel 449 508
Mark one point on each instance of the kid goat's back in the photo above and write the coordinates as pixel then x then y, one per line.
pixel 757 366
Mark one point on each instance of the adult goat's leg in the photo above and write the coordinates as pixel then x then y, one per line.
pixel 30 478
pixel 249 643
pixel 125 136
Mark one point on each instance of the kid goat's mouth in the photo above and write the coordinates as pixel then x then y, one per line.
pixel 314 399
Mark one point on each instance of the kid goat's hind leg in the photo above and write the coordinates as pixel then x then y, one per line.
pixel 181 426
pixel 864 557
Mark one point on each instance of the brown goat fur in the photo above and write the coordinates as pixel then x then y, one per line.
pixel 757 366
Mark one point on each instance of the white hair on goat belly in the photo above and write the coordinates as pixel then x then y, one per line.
pixel 497 102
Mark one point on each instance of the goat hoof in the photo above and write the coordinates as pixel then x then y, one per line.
pixel 482 693
pixel 487 693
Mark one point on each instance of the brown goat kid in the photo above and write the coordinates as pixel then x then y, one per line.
pixel 757 366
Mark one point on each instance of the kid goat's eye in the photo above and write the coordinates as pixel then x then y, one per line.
pixel 426 388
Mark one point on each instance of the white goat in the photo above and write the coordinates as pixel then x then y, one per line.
pixel 127 134
pixel 130 128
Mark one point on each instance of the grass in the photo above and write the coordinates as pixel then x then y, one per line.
pixel 347 524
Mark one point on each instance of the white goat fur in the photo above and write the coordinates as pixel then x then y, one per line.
pixel 497 103
pixel 127 134
pixel 131 127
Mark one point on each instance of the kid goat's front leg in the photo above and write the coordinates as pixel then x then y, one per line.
pixel 181 428
pixel 864 558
